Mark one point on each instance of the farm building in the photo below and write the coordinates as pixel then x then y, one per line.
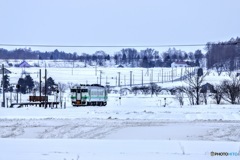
pixel 179 64
pixel 23 64
pixel 6 71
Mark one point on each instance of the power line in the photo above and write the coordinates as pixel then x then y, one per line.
pixel 99 46
pixel 113 46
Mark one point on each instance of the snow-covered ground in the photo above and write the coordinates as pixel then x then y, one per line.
pixel 135 127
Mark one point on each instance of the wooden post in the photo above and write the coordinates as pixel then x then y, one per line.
pixel 45 88
pixel 40 84
pixel 3 103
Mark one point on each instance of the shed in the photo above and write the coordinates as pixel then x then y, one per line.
pixel 120 66
pixel 206 87
pixel 179 64
pixel 6 71
pixel 24 64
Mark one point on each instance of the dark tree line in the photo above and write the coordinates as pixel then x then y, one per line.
pixel 27 85
pixel 151 58
pixel 224 56
pixel 6 83
pixel 129 57
pixel 27 53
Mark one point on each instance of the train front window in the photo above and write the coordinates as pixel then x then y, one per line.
pixel 84 90
pixel 73 94
pixel 73 90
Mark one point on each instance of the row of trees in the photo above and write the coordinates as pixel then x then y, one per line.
pixel 127 56
pixel 227 90
pixel 152 58
pixel 224 56
pixel 197 92
pixel 27 53
pixel 27 85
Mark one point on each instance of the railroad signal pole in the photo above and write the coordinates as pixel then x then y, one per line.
pixel 18 87
pixel 40 84
pixel 45 88
pixel 3 103
pixel 130 78
pixel 100 77
pixel 151 75
pixel 119 73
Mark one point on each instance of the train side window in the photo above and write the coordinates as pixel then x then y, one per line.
pixel 73 90
pixel 84 90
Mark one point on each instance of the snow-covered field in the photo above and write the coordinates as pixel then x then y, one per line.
pixel 135 127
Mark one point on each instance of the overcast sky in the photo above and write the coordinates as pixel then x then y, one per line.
pixel 118 22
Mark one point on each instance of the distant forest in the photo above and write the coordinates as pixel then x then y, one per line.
pixel 224 55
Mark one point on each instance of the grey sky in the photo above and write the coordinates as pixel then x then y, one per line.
pixel 118 22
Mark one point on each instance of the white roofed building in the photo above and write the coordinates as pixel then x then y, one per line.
pixel 179 64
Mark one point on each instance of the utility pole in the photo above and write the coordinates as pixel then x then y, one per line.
pixel 40 84
pixel 3 103
pixel 18 87
pixel 45 88
pixel 181 74
pixel 125 80
pixel 119 79
pixel 72 67
pixel 130 78
pixel 100 77
pixel 96 70
pixel 162 75
pixel 133 79
pixel 152 76
pixel 142 77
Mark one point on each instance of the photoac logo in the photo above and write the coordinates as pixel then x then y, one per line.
pixel 224 153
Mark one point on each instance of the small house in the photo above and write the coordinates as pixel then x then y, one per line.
pixel 24 64
pixel 6 71
pixel 179 64
pixel 120 66
pixel 207 87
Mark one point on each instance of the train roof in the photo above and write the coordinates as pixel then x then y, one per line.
pixel 89 86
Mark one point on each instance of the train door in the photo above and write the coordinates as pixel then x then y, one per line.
pixel 79 94
pixel 78 101
pixel 84 96
pixel 73 95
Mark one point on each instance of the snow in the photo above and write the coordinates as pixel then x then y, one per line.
pixel 112 149
pixel 135 127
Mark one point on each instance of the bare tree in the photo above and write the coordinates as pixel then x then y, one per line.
pixel 218 93
pixel 188 91
pixel 180 95
pixel 62 88
pixel 219 68
pixel 204 95
pixel 194 82
pixel 70 85
pixel 231 89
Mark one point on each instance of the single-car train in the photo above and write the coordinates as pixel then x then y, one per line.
pixel 89 95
